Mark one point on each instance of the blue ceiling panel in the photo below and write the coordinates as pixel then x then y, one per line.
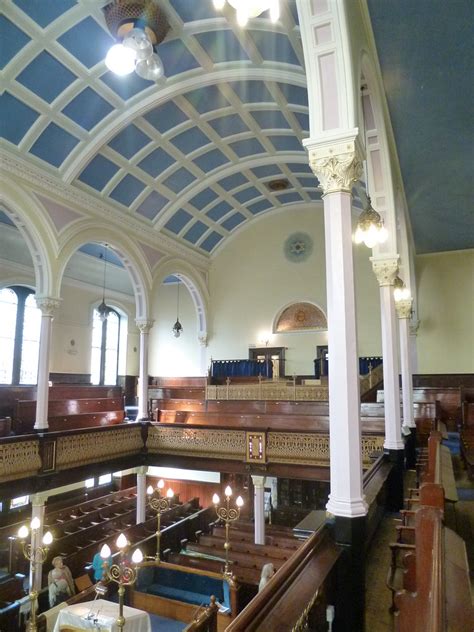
pixel 192 11
pixel 166 117
pixel 127 190
pixel 303 120
pixel 126 87
pixel 170 279
pixel 247 147
pixel 286 143
pixel 202 199
pixel 5 219
pixel 266 170
pixel 196 231
pixel 98 172
pixel 97 250
pixel 218 211
pixel 309 182
pixel 43 13
pixel 129 141
pixel 233 221
pixel 176 57
pixel 274 46
pixel 179 180
pixel 299 167
pixel 292 196
pixel 270 119
pixel 156 162
pixel 178 221
pixel 247 194
pixel 252 91
pixel 294 94
pixel 13 40
pixel 79 38
pixel 231 182
pixel 314 195
pixel 211 160
pixel 45 65
pixel 152 205
pixel 211 242
pixel 294 10
pixel 228 125
pixel 258 207
pixel 87 109
pixel 190 140
pixel 222 46
pixel 207 99
pixel 54 145
pixel 16 118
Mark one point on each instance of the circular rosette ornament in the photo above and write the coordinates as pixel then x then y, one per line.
pixel 298 247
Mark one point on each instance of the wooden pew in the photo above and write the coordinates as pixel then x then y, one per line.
pixel 449 399
pixel 238 559
pixel 236 535
pixel 5 426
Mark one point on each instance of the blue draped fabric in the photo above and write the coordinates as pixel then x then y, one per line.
pixel 367 363
pixel 241 368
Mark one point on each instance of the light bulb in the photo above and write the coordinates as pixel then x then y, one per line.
pixel 160 484
pixel 242 16
pixel 138 42
pixel 239 502
pixel 150 68
pixel 137 557
pixel 370 240
pixel 105 552
pixel 120 60
pixel 149 490
pixel 383 235
pixel 23 532
pixel 359 235
pixel 47 538
pixel 170 493
pixel 35 523
pixel 215 499
pixel 228 491
pixel 121 541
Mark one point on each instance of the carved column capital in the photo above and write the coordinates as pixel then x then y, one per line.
pixel 338 165
pixel 385 270
pixel 39 499
pixel 48 305
pixel 142 469
pixel 202 338
pixel 413 327
pixel 144 325
pixel 258 481
pixel 404 308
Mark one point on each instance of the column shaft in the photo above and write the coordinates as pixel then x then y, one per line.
pixel 144 327
pixel 37 511
pixel 407 381
pixel 141 494
pixel 47 306
pixel 259 509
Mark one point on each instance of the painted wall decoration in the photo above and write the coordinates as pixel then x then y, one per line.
pixel 300 317
pixel 298 247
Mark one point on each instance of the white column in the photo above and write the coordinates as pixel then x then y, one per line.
pixel 413 328
pixel 404 308
pixel 48 307
pixel 386 270
pixel 259 508
pixel 141 493
pixel 37 511
pixel 337 166
pixel 144 326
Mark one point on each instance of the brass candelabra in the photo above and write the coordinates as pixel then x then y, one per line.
pixel 35 554
pixel 227 514
pixel 160 504
pixel 121 573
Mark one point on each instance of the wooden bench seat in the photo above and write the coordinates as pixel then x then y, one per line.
pixel 246 536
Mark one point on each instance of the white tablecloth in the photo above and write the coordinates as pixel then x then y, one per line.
pixel 104 617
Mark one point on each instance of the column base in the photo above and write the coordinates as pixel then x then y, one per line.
pixel 395 480
pixel 410 449
pixel 350 533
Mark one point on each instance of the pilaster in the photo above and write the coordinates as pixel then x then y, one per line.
pixel 141 493
pixel 48 306
pixel 259 509
pixel 144 325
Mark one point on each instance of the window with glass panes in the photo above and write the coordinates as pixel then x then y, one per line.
pixel 20 324
pixel 105 348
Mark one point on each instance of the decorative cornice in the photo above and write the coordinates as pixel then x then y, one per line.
pixel 48 305
pixel 404 308
pixel 48 184
pixel 385 270
pixel 144 325
pixel 337 166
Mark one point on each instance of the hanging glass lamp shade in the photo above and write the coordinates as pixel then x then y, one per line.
pixel 370 227
pixel 104 311
pixel 177 329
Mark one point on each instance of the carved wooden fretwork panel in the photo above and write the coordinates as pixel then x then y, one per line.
pixel 214 444
pixel 19 460
pixel 299 317
pixel 273 391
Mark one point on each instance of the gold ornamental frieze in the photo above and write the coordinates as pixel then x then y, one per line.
pixel 371 445
pixel 298 448
pixel 81 449
pixel 19 460
pixel 199 442
pixel 271 391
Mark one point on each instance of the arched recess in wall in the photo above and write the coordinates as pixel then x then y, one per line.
pixel 195 286
pixel 379 161
pixel 127 251
pixel 27 216
pixel 300 316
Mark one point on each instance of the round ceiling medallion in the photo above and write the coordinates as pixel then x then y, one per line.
pixel 298 247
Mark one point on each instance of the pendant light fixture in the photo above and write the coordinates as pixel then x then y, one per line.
pixel 246 9
pixel 370 227
pixel 103 309
pixel 177 327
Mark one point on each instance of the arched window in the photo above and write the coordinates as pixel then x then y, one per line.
pixel 105 348
pixel 20 324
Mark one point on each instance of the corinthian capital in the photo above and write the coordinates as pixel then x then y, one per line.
pixel 404 308
pixel 337 166
pixel 202 338
pixel 413 327
pixel 144 325
pixel 48 305
pixel 385 270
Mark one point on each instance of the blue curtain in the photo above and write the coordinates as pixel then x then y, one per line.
pixel 365 363
pixel 241 368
